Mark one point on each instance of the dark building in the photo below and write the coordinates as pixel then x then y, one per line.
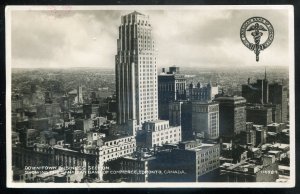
pixel 48 97
pixel 180 114
pixel 261 134
pixel 232 111
pixel 276 127
pixel 16 102
pixel 65 103
pixel 39 124
pixel 75 139
pixel 248 137
pixel 278 94
pixel 187 163
pixel 126 164
pixel 259 115
pixel 256 92
pixel 90 109
pixel 276 112
pixel 171 87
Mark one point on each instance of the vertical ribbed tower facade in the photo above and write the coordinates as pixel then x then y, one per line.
pixel 136 71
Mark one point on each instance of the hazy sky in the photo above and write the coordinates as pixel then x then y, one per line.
pixel 200 38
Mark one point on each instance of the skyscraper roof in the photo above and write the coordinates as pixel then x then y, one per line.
pixel 135 13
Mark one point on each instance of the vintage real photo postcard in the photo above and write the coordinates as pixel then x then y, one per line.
pixel 150 96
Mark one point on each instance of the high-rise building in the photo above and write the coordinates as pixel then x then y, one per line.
pixel 171 87
pixel 256 92
pixel 136 72
pixel 205 119
pixel 232 115
pixel 278 95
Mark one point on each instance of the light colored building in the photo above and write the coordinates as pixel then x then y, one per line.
pixel 205 119
pixel 159 132
pixel 114 147
pixel 136 71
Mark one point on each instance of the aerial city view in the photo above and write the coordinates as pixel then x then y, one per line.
pixel 141 121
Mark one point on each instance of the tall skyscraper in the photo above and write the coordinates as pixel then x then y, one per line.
pixel 136 71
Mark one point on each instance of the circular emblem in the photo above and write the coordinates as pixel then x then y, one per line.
pixel 257 34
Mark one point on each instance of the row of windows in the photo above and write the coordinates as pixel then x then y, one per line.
pixel 147 62
pixel 121 153
pixel 166 132
pixel 117 141
pixel 209 152
pixel 120 148
pixel 157 140
pixel 207 169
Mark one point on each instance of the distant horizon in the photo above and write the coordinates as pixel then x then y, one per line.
pixel 159 68
pixel 190 37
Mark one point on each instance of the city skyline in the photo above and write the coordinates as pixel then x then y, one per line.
pixel 215 124
pixel 197 40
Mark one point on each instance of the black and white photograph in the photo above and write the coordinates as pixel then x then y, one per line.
pixel 150 96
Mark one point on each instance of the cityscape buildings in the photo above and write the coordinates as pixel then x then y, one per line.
pixel 148 127
pixel 256 92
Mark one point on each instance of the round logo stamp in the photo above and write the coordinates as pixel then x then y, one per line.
pixel 257 34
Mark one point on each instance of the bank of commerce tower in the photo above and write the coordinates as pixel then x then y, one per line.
pixel 136 72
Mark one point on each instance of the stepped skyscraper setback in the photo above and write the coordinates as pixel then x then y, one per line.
pixel 136 71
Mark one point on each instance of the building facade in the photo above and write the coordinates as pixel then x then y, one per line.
pixel 232 115
pixel 159 132
pixel 136 72
pixel 205 119
pixel 180 114
pixel 202 92
pixel 171 87
pixel 259 115
pixel 187 163
pixel 278 95
pixel 256 92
